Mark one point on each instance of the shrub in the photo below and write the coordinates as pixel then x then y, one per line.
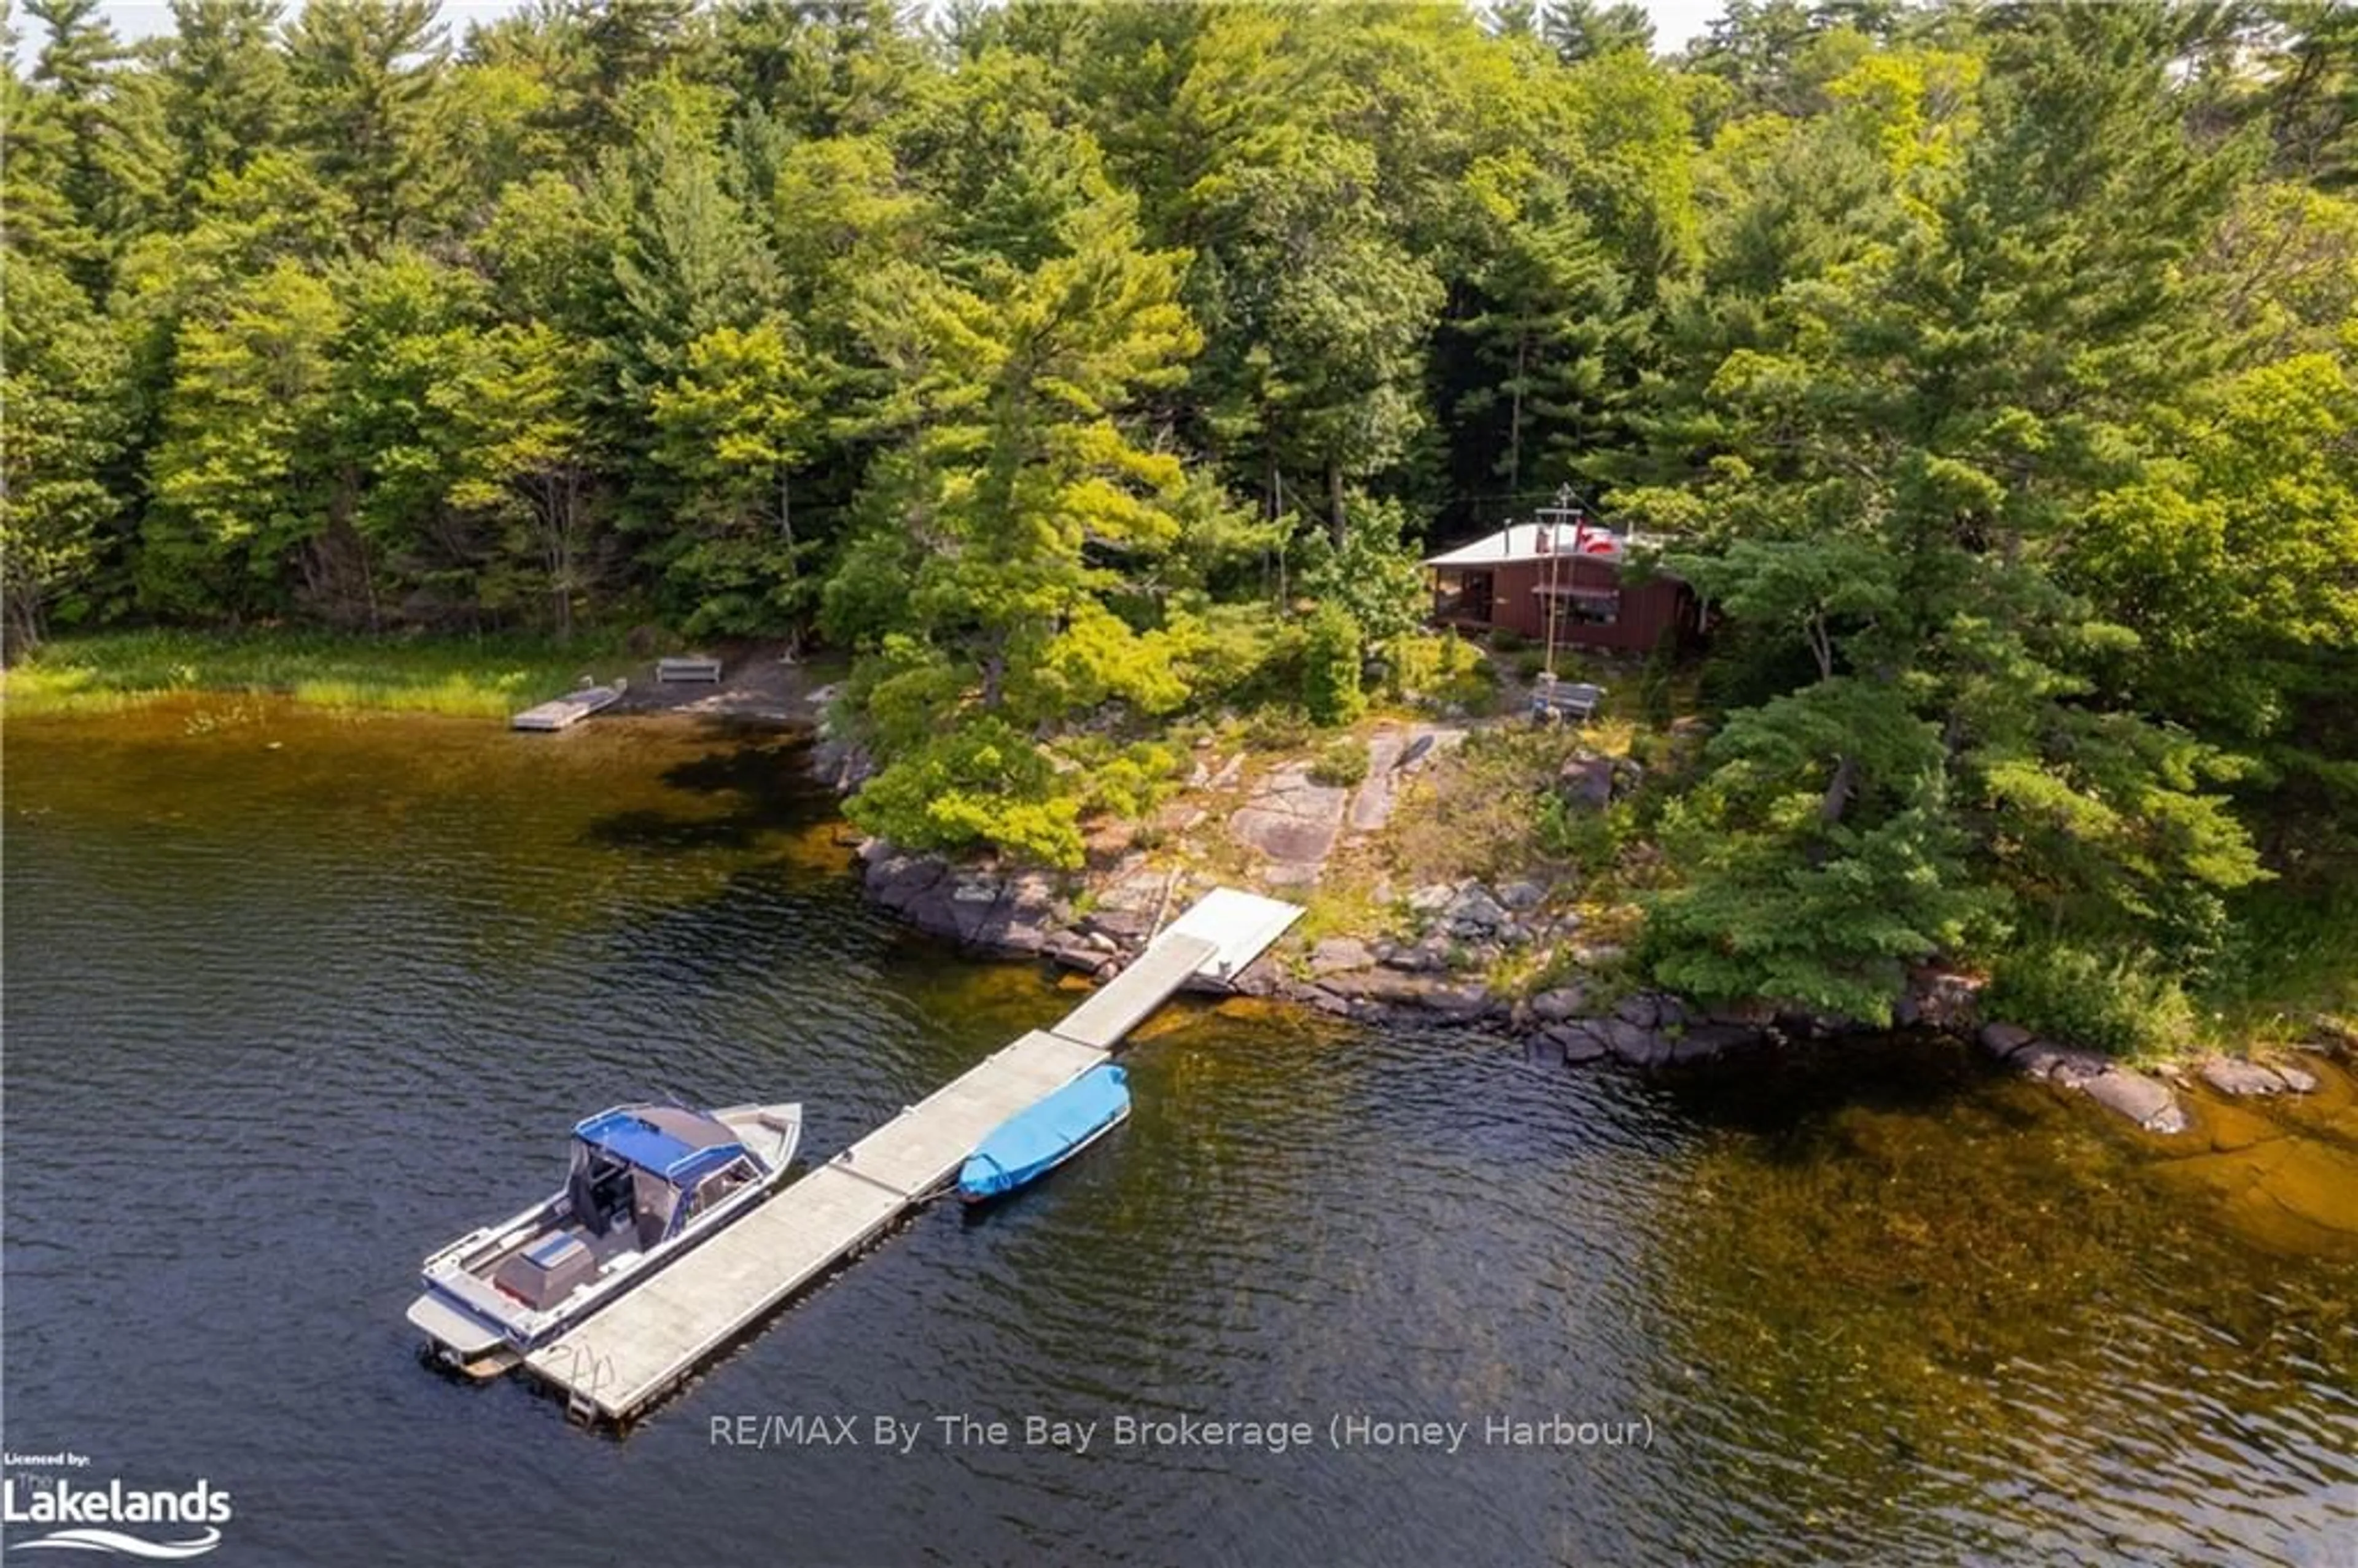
pixel 1276 728
pixel 979 783
pixel 1331 663
pixel 1231 651
pixel 1443 669
pixel 1342 761
pixel 1590 839
pixel 1126 780
pixel 2125 1005
pixel 1506 640
pixel 1411 665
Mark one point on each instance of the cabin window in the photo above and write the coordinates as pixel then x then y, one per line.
pixel 1467 598
pixel 1596 608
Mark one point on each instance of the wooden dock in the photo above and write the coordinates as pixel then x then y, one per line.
pixel 630 1354
pixel 564 712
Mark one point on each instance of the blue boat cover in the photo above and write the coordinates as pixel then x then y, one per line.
pixel 632 1138
pixel 1030 1142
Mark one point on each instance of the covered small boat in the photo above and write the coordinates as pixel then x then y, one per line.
pixel 1032 1142
pixel 647 1183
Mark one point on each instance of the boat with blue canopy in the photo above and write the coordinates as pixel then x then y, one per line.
pixel 647 1183
pixel 1029 1144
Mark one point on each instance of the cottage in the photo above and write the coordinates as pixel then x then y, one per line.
pixel 1560 580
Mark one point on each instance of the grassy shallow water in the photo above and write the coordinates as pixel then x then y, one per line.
pixel 489 677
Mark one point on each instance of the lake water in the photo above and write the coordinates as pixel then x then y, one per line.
pixel 293 997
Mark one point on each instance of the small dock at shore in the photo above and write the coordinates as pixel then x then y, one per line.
pixel 564 712
pixel 632 1353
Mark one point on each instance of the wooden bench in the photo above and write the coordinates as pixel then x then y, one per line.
pixel 1574 700
pixel 688 667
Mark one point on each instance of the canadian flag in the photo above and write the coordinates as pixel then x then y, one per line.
pixel 1602 543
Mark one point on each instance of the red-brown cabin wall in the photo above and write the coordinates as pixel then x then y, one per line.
pixel 1649 612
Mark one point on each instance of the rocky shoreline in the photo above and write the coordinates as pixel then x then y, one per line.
pixel 1025 915
pixel 1282 829
pixel 2148 1100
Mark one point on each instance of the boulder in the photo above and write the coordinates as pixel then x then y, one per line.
pixel 1460 1003
pixel 1387 987
pixel 2064 1065
pixel 1586 781
pixel 1522 896
pixel 2234 1077
pixel 1432 898
pixel 2299 1080
pixel 2144 1100
pixel 1651 1010
pixel 1074 951
pixel 897 881
pixel 1559 1005
pixel 1475 913
pixel 1325 1000
pixel 1416 958
pixel 1639 1046
pixel 1580 1042
pixel 1119 925
pixel 2003 1039
pixel 976 887
pixel 1023 920
pixel 1337 954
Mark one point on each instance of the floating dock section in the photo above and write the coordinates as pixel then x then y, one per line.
pixel 564 712
pixel 630 1354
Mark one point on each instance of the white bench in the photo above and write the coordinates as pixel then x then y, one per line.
pixel 1574 700
pixel 688 667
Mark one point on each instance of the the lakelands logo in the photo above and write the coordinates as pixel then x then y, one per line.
pixel 173 1522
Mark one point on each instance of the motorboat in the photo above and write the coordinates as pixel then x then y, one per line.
pixel 647 1183
pixel 1031 1144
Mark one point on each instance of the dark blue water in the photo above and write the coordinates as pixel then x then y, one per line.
pixel 292 1000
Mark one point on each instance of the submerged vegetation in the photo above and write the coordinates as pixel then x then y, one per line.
pixel 1087 371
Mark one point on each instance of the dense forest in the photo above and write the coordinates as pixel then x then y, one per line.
pixel 1990 368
